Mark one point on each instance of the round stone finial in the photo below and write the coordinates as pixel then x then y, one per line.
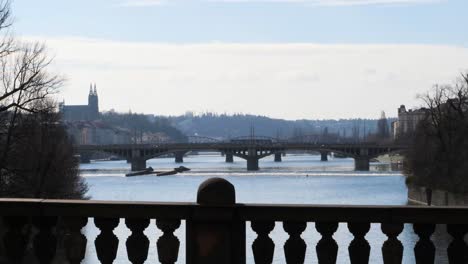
pixel 216 191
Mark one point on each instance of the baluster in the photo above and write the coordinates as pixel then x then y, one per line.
pixel 14 239
pixel 74 241
pixel 106 242
pixel 392 249
pixel 359 248
pixel 424 250
pixel 168 244
pixel 295 247
pixel 457 250
pixel 137 243
pixel 263 247
pixel 45 242
pixel 326 248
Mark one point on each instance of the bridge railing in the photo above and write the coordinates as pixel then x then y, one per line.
pixel 215 229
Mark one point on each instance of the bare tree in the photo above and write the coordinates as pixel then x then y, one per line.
pixel 6 42
pixel 25 80
pixel 36 156
pixel 439 151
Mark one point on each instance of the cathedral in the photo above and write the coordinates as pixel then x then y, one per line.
pixel 87 112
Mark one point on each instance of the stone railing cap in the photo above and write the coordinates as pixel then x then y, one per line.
pixel 216 191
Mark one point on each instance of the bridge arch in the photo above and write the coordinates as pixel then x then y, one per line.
pixel 251 151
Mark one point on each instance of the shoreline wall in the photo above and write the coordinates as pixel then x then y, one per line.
pixel 417 196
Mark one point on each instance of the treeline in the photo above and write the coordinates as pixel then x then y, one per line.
pixel 37 158
pixel 438 158
pixel 140 123
pixel 230 126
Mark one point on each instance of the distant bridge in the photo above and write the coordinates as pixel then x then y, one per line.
pixel 250 150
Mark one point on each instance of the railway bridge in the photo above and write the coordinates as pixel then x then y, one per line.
pixel 251 151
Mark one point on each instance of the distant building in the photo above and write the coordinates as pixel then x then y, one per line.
pixel 87 112
pixel 407 121
pixel 85 128
pixel 97 133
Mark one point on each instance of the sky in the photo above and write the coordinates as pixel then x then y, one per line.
pixel 292 59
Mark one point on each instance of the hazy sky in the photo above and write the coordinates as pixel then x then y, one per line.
pixel 282 58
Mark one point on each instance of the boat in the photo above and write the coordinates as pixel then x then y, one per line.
pixel 181 169
pixel 150 170
pixel 339 155
pixel 146 171
pixel 166 173
pixel 174 171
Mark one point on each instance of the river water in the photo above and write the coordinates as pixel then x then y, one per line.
pixel 299 179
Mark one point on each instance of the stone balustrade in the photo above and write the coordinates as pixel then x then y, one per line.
pixel 215 229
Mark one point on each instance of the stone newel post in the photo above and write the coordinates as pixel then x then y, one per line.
pixel 216 235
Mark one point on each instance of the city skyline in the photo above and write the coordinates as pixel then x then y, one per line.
pixel 303 59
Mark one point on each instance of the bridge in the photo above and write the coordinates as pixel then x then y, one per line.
pixel 250 150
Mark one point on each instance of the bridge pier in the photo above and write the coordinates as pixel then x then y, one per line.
pixel 323 155
pixel 179 156
pixel 278 157
pixel 229 158
pixel 252 160
pixel 138 164
pixel 252 164
pixel 361 164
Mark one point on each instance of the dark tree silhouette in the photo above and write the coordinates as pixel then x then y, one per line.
pixel 41 163
pixel 437 158
pixel 36 158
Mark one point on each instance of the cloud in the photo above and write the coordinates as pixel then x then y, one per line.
pixel 311 2
pixel 281 80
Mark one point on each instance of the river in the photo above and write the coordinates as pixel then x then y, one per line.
pixel 299 179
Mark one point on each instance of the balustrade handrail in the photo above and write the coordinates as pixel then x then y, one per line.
pixel 215 229
pixel 245 212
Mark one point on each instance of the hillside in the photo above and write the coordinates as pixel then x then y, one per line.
pixel 230 126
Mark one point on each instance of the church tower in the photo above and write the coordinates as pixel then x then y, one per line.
pixel 93 103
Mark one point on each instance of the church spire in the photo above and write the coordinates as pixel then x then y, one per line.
pixel 95 91
pixel 90 89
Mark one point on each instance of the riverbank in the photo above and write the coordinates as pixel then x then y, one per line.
pixel 418 195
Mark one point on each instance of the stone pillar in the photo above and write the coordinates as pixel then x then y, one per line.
pixel 138 164
pixel 137 161
pixel 252 160
pixel 252 164
pixel 278 157
pixel 215 234
pixel 323 156
pixel 179 156
pixel 229 158
pixel 361 164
